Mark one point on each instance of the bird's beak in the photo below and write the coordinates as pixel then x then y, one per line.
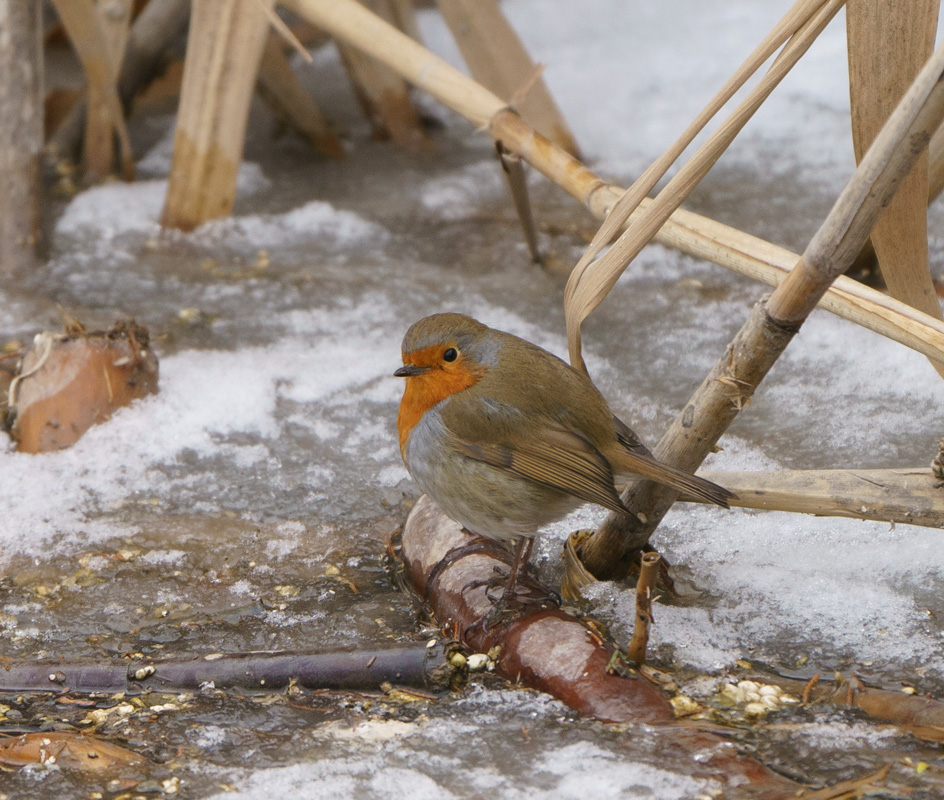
pixel 410 371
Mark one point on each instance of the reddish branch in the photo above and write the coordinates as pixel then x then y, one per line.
pixel 545 648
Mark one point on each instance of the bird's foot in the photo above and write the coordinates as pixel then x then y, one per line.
pixel 516 599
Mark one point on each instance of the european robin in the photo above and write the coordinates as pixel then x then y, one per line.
pixel 506 437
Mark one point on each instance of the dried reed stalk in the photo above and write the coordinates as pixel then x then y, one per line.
pixel 21 135
pixel 291 103
pixel 383 94
pixel 876 28
pixel 159 23
pixel 591 280
pixel 912 496
pixel 104 118
pixel 774 321
pixel 224 48
pixel 499 61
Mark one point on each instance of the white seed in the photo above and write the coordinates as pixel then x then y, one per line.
pixel 477 662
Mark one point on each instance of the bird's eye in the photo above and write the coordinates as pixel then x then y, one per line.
pixel 451 354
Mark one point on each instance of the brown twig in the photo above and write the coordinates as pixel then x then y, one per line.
pixel 648 578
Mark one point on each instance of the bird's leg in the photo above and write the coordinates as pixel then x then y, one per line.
pixel 519 563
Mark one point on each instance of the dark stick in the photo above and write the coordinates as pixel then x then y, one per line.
pixel 417 666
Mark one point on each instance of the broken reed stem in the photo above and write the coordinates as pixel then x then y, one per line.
pixel 774 320
pixel 693 234
pixel 224 49
pixel 648 578
pixel 518 185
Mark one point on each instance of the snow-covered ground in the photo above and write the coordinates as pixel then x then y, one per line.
pixel 278 409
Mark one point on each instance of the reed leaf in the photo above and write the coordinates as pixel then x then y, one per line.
pixel 591 280
pixel 875 29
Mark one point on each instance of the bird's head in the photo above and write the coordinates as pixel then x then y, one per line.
pixel 443 354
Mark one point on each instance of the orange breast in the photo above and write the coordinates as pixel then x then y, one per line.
pixel 422 392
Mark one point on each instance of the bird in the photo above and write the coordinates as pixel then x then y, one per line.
pixel 506 437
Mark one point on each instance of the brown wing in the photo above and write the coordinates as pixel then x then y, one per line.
pixel 647 466
pixel 628 438
pixel 560 459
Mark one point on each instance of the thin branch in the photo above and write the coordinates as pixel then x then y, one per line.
pixel 417 665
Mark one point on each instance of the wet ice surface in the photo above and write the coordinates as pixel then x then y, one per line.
pixel 247 505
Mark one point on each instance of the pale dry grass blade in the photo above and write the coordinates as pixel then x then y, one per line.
pixel 283 30
pixel 591 281
pixel 619 215
pixel 888 45
pixel 499 61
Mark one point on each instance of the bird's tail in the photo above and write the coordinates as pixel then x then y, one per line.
pixel 646 466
